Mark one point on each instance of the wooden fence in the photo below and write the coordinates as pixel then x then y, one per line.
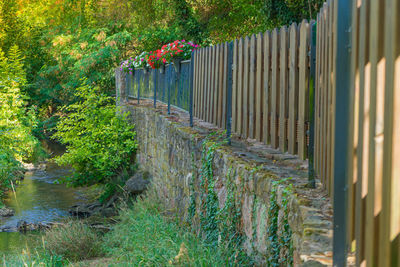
pixel 270 98
pixel 374 179
pixel 268 84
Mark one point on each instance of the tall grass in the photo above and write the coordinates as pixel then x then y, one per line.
pixel 144 236
pixel 147 238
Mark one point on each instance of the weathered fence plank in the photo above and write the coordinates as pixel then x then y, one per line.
pixel 259 89
pixel 275 88
pixel 293 88
pixel 252 74
pixel 235 86
pixel 246 69
pixel 267 88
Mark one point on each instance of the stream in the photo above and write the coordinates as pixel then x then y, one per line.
pixel 38 198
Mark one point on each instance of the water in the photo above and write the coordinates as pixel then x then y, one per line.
pixel 38 198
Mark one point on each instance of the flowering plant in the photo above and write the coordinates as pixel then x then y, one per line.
pixel 128 66
pixel 178 49
pixel 156 60
pixel 141 61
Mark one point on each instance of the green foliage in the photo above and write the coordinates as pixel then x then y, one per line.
pixel 219 226
pixel 17 142
pixel 280 245
pixel 42 259
pixel 100 141
pixel 147 238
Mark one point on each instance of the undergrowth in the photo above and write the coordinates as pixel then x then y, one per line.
pixel 220 227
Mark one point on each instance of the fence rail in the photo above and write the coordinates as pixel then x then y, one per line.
pixel 263 87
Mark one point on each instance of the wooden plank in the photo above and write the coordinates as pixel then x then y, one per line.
pixel 212 82
pixel 252 74
pixel 225 85
pixel 353 122
pixel 293 88
pixel 303 88
pixel 246 69
pixel 259 89
pixel 317 98
pixel 373 202
pixel 267 90
pixel 209 84
pixel 197 73
pixel 283 89
pixel 324 98
pixel 216 91
pixel 221 84
pixel 275 89
pixel 202 77
pixel 389 223
pixel 239 125
pixel 329 107
pixel 234 86
pixel 395 137
pixel 362 149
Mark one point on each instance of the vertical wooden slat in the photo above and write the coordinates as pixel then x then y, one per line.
pixel 246 65
pixel 197 84
pixel 275 88
pixel 389 230
pixel 221 84
pixel 330 107
pixel 202 79
pixel 225 84
pixel 283 89
pixel 303 88
pixel 259 89
pixel 324 97
pixel 212 87
pixel 362 150
pixel 209 84
pixel 234 86
pixel 239 125
pixel 353 122
pixel 252 73
pixel 374 141
pixel 267 88
pixel 317 98
pixel 293 88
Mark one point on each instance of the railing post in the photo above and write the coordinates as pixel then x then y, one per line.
pixel 191 89
pixel 127 84
pixel 311 173
pixel 229 93
pixel 342 143
pixel 138 90
pixel 155 87
pixel 169 91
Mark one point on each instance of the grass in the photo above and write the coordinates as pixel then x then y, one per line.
pixel 143 237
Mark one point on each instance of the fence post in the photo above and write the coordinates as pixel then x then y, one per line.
pixel 191 88
pixel 229 93
pixel 169 91
pixel 155 87
pixel 342 141
pixel 138 90
pixel 311 173
pixel 127 84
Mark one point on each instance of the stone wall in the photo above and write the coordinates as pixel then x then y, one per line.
pixel 171 151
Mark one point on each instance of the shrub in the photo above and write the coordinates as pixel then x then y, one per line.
pixel 74 241
pixel 100 141
pixel 17 142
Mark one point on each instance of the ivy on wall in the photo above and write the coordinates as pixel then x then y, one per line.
pixel 280 246
pixel 222 226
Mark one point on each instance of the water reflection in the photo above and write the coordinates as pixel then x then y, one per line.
pixel 38 198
